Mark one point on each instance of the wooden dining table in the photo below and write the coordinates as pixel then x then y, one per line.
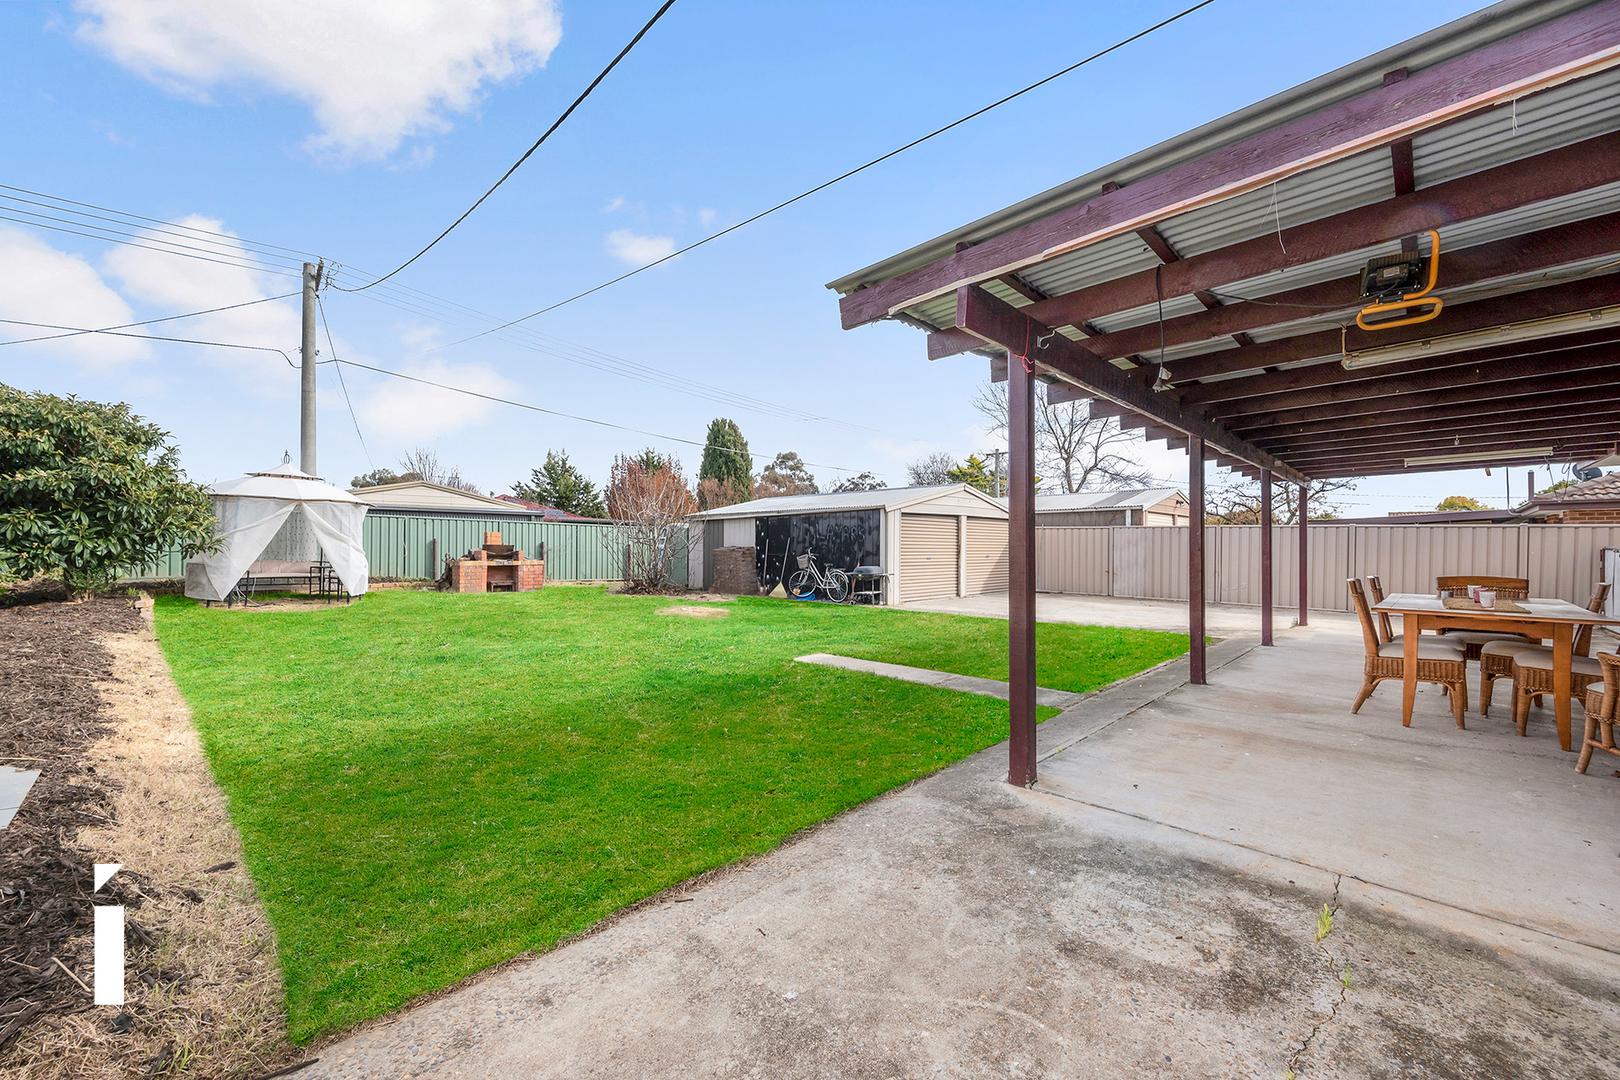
pixel 1542 618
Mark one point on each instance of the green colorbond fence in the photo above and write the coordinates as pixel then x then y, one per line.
pixel 401 546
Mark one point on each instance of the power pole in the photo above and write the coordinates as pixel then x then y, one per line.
pixel 995 473
pixel 306 371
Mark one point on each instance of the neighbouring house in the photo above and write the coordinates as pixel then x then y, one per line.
pixel 1131 506
pixel 421 495
pixel 932 542
pixel 1433 517
pixel 1591 502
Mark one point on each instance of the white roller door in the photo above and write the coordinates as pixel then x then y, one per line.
pixel 928 557
pixel 987 556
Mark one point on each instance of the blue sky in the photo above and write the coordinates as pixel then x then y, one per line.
pixel 359 139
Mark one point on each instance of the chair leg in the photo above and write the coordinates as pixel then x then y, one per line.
pixel 1521 708
pixel 1459 701
pixel 1587 740
pixel 1366 692
pixel 1487 684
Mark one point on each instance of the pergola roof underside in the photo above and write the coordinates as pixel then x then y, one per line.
pixel 1494 267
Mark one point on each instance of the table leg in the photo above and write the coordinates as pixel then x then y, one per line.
pixel 1411 627
pixel 1563 635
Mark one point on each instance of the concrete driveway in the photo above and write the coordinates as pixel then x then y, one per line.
pixel 1143 912
pixel 1223 620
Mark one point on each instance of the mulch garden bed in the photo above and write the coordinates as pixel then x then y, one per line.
pixel 50 714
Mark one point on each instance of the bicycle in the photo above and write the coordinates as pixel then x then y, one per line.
pixel 809 578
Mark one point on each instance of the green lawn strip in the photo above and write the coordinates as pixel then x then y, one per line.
pixel 428 784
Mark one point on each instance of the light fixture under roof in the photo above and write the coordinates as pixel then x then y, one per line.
pixel 1480 455
pixel 1530 330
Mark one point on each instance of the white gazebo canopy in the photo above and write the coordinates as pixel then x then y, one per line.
pixel 252 510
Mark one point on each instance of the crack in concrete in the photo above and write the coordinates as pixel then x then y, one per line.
pixel 1304 1047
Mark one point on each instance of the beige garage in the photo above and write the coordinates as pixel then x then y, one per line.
pixel 930 555
pixel 930 542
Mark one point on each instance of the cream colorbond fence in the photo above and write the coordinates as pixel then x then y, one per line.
pixel 1150 563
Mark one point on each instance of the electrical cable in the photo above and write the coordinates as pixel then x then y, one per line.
pixel 157 337
pixel 338 368
pixel 555 124
pixel 149 247
pixel 149 322
pixel 1122 43
pixel 567 415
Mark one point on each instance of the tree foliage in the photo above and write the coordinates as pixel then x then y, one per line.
pixel 378 477
pixel 1082 451
pixel 862 481
pixel 88 489
pixel 1239 503
pixel 559 483
pixel 933 470
pixel 424 464
pixel 1460 502
pixel 785 475
pixel 649 507
pixel 974 472
pixel 713 494
pixel 726 458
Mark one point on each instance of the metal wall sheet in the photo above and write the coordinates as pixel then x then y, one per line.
pixel 929 558
pixel 1564 560
pixel 1072 559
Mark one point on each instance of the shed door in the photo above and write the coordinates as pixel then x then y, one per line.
pixel 987 556
pixel 928 557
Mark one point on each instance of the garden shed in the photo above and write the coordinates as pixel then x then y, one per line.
pixel 931 542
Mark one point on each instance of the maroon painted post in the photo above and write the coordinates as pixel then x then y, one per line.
pixel 1265 557
pixel 1195 560
pixel 1304 549
pixel 1021 572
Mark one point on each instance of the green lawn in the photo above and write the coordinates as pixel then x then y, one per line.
pixel 427 784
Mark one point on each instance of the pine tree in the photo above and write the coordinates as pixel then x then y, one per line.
pixel 558 483
pixel 725 456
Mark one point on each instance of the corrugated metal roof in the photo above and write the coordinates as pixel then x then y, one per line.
pixel 1134 498
pixel 1457 37
pixel 881 499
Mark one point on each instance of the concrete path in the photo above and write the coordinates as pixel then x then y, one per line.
pixel 14 786
pixel 1057 699
pixel 1223 620
pixel 960 927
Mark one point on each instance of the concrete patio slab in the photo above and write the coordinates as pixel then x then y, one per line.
pixel 960 927
pixel 1224 620
pixel 968 684
pixel 14 786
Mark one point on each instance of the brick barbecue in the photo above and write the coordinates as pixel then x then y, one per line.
pixel 495 567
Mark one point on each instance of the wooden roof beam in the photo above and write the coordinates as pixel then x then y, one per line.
pixel 1574 450
pixel 999 323
pixel 1580 396
pixel 1544 250
pixel 1439 429
pixel 1499 441
pixel 1579 43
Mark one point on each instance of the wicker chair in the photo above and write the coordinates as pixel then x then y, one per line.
pixel 1508 588
pixel 1375 589
pixel 1496 658
pixel 1439 661
pixel 1601 701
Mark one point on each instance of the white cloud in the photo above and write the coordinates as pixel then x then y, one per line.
pixel 173 285
pixel 41 284
pixel 373 74
pixel 614 205
pixel 408 412
pixel 706 216
pixel 638 249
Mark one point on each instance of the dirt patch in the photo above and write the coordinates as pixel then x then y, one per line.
pixel 694 611
pixel 203 992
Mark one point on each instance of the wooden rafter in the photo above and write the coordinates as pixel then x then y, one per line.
pixel 1570 46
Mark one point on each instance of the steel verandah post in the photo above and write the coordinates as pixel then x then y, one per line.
pixel 1265 557
pixel 1195 561
pixel 1021 573
pixel 1304 552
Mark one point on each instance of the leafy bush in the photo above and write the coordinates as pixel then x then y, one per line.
pixel 88 490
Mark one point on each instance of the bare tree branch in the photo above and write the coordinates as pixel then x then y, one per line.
pixel 1081 451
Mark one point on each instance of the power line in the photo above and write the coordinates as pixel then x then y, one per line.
pixel 555 124
pixel 824 185
pixel 149 247
pixel 338 368
pixel 148 322
pixel 156 337
pixel 566 415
